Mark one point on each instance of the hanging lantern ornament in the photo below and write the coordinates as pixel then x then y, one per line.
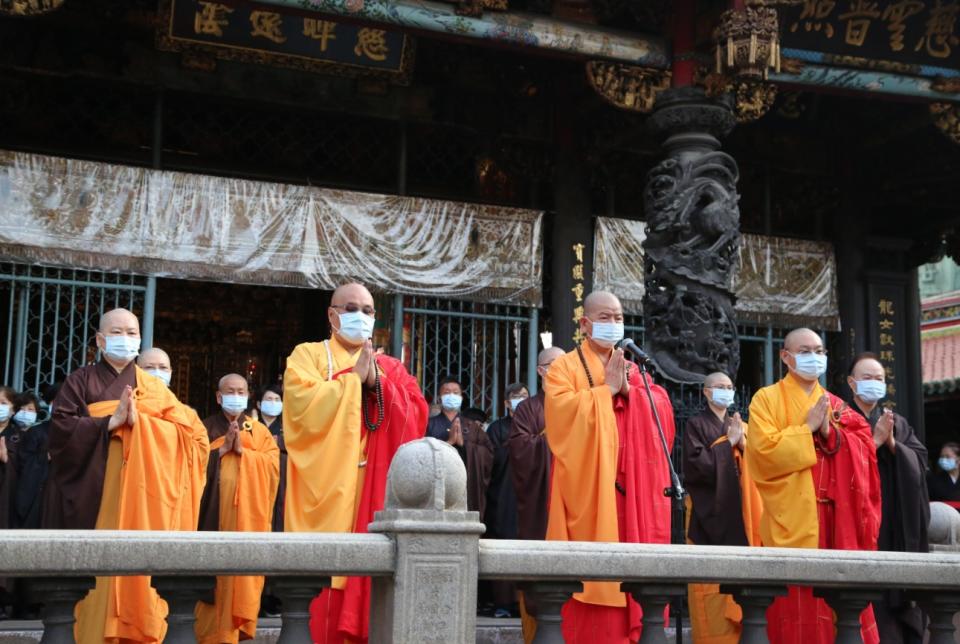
pixel 748 42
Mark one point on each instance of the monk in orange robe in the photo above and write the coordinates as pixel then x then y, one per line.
pixel 125 455
pixel 814 462
pixel 242 478
pixel 609 470
pixel 346 411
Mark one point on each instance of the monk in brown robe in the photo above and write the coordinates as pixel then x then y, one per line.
pixel 242 477
pixel 479 452
pixel 905 505
pixel 724 509
pixel 531 459
pixel 106 415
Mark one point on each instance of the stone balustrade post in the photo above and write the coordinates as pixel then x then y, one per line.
pixel 432 596
pixel 182 595
pixel 295 594
pixel 653 600
pixel 941 607
pixel 754 602
pixel 59 596
pixel 550 596
pixel 848 603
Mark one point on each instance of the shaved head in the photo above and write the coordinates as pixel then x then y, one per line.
pixel 802 339
pixel 601 301
pixel 118 322
pixel 232 383
pixel 549 355
pixel 154 358
pixel 352 293
pixel 867 367
pixel 717 379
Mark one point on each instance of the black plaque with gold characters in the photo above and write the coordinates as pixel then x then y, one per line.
pixel 267 36
pixel 876 33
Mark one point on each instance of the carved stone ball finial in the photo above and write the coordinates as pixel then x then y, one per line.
pixel 427 475
pixel 944 524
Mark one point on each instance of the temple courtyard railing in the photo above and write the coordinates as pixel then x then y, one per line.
pixel 425 555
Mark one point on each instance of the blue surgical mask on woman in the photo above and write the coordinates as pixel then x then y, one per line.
pixel 356 326
pixel 722 397
pixel 121 347
pixel 25 418
pixel 451 402
pixel 947 464
pixel 271 407
pixel 812 365
pixel 606 334
pixel 4 412
pixel 871 391
pixel 233 403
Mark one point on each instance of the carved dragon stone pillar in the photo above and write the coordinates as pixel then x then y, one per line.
pixel 693 239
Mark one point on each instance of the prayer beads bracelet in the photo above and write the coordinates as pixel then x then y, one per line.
pixel 378 393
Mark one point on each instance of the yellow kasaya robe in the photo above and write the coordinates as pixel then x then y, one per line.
pixel 716 618
pixel 337 466
pixel 154 481
pixel 247 485
pixel 817 493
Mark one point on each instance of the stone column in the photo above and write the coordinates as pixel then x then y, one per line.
pixel 295 595
pixel 848 603
pixel 59 596
pixel 754 602
pixel 942 607
pixel 182 595
pixel 653 600
pixel 550 597
pixel 432 596
pixel 693 239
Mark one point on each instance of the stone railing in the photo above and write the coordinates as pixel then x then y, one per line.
pixel 425 555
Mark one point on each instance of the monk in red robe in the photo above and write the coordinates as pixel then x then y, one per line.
pixel 814 463
pixel 346 411
pixel 609 467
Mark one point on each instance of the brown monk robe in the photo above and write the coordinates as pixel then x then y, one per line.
pixel 242 477
pixel 111 414
pixel 724 505
pixel 904 502
pixel 479 452
pixel 531 459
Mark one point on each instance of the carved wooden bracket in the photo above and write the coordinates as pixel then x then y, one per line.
pixel 628 87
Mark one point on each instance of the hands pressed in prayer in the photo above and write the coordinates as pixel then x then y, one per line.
pixel 4 456
pixel 818 416
pixel 131 408
pixel 231 440
pixel 883 431
pixel 122 415
pixel 366 365
pixel 735 433
pixel 456 433
pixel 615 374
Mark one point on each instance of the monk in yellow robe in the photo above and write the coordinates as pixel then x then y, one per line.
pixel 723 504
pixel 242 479
pixel 346 411
pixel 125 455
pixel 609 469
pixel 814 462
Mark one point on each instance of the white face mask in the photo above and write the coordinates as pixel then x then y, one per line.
pixel 121 348
pixel 165 376
pixel 271 407
pixel 606 334
pixel 233 403
pixel 356 326
pixel 871 391
pixel 810 365
pixel 722 397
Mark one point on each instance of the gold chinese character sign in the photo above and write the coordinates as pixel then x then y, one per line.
pixel 239 32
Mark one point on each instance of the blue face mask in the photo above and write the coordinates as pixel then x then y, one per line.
pixel 161 374
pixel 515 402
pixel 233 403
pixel 356 326
pixel 811 365
pixel 606 334
pixel 121 347
pixel 451 402
pixel 871 391
pixel 947 464
pixel 25 418
pixel 722 397
pixel 4 412
pixel 271 407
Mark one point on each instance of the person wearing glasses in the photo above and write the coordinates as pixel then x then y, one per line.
pixel 345 413
pixel 814 462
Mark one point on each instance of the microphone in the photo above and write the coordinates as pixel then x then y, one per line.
pixel 628 344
